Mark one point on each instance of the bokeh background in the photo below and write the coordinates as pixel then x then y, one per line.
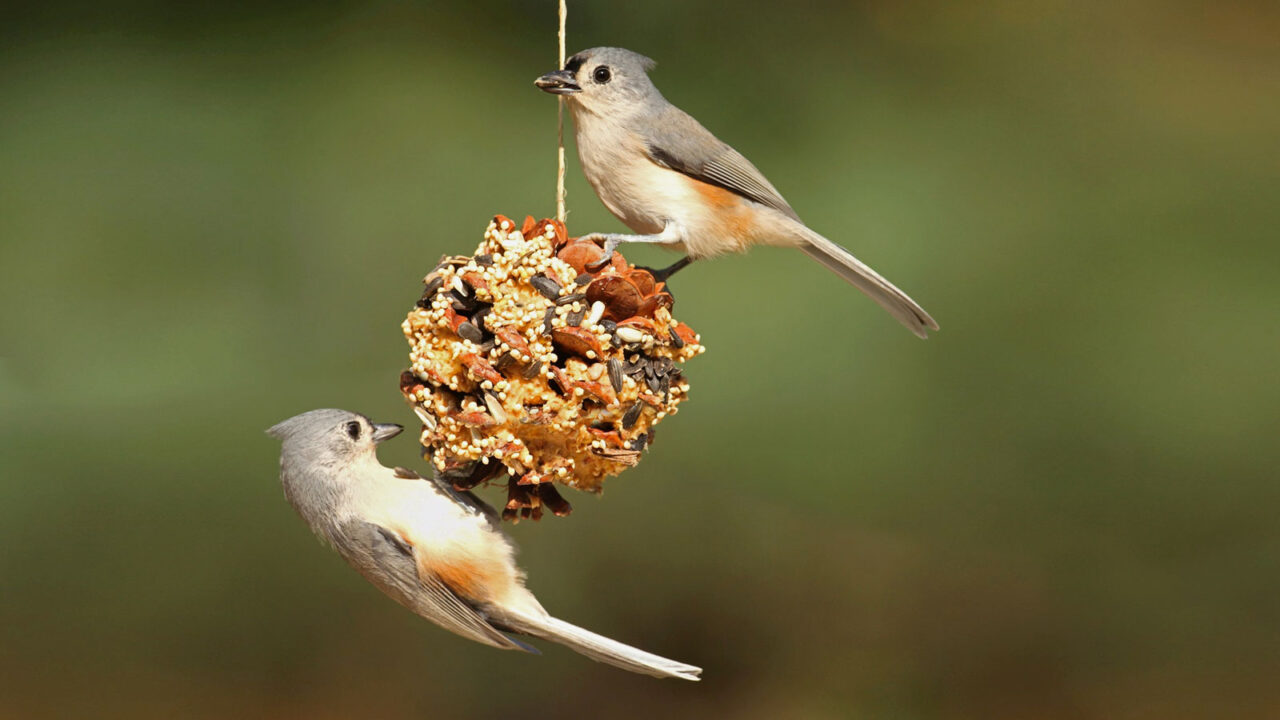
pixel 1064 505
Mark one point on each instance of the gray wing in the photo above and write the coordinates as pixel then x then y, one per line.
pixel 680 143
pixel 387 562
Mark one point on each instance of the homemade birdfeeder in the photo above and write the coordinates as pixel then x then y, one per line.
pixel 527 361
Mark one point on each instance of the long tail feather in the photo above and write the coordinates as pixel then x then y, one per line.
pixel 856 273
pixel 600 648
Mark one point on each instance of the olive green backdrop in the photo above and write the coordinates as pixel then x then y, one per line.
pixel 1063 505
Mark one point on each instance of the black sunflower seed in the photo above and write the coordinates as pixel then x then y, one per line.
pixel 433 285
pixel 574 319
pixel 676 340
pixel 550 289
pixel 571 298
pixel 462 303
pixel 546 320
pixel 484 260
pixel 634 368
pixel 615 374
pixel 467 331
pixel 532 371
pixel 654 382
pixel 632 415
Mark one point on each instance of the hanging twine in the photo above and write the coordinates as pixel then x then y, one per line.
pixel 560 193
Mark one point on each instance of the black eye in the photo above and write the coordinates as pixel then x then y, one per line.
pixel 602 74
pixel 353 430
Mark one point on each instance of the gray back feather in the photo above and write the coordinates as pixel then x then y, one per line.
pixel 677 141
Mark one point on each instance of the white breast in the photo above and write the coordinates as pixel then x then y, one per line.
pixel 419 509
pixel 644 196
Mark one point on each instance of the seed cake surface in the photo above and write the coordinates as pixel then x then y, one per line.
pixel 525 362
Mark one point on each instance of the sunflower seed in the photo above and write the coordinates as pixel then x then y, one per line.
pixel 676 340
pixel 609 325
pixel 432 286
pixel 494 405
pixel 615 374
pixel 532 371
pixel 428 420
pixel 631 416
pixel 484 260
pixel 504 362
pixel 467 331
pixel 546 320
pixel 572 298
pixel 634 367
pixel 462 303
pixel 583 279
pixel 575 318
pixel 550 289
pixel 640 442
pixel 654 382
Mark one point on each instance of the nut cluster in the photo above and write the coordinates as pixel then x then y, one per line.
pixel 524 361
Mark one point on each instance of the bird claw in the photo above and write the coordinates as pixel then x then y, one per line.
pixel 661 274
pixel 610 245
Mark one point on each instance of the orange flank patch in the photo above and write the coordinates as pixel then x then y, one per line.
pixel 463 578
pixel 474 577
pixel 716 196
pixel 735 215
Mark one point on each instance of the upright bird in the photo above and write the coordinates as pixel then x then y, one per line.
pixel 437 551
pixel 669 179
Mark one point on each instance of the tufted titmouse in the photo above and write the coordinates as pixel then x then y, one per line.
pixel 437 551
pixel 667 177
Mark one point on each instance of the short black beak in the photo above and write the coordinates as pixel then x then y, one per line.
pixel 558 82
pixel 385 431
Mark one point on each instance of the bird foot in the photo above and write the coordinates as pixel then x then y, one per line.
pixel 662 274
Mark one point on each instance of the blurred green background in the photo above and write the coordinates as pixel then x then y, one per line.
pixel 1063 505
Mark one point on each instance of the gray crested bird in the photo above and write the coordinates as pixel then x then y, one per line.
pixel 439 552
pixel 671 181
